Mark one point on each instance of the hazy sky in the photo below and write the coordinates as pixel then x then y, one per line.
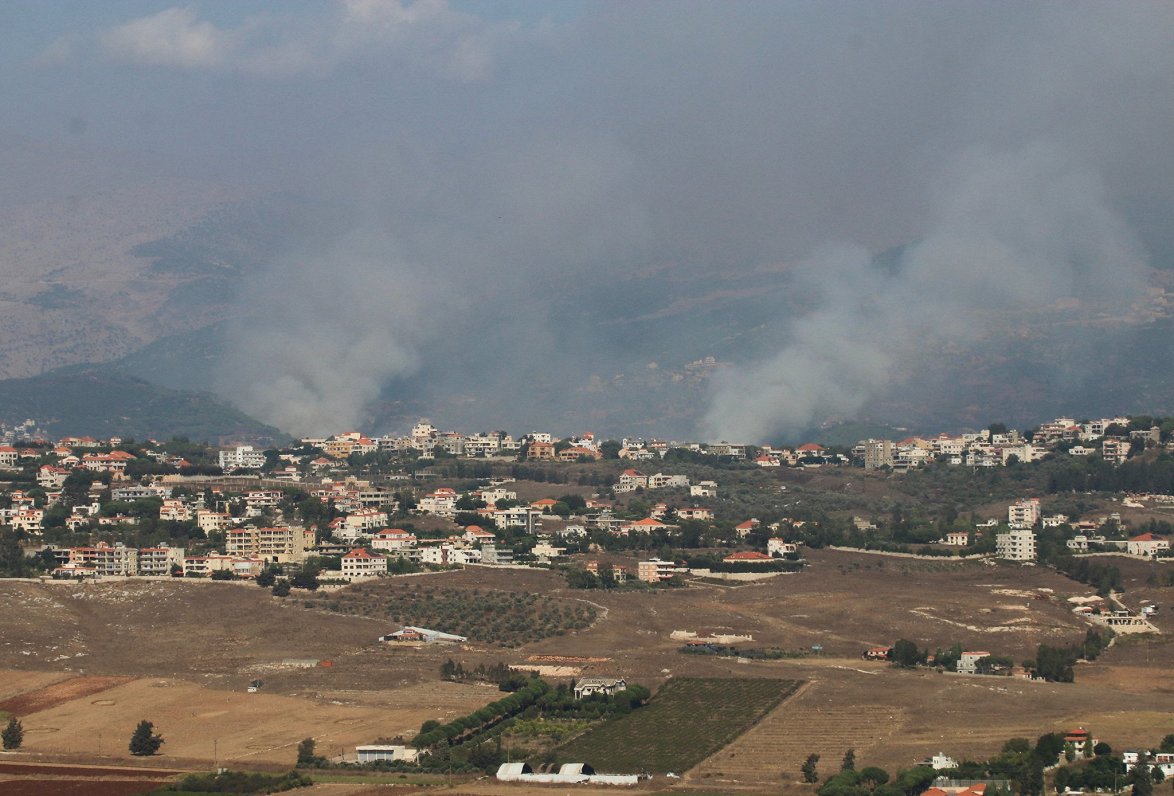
pixel 487 145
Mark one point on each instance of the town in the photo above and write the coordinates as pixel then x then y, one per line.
pixel 491 560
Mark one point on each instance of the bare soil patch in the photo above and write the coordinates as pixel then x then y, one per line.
pixel 59 693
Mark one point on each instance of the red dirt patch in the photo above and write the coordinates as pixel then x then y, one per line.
pixel 58 694
pixel 77 787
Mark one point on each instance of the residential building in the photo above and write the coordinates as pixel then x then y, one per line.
pixel 1024 513
pixel 1016 545
pixel 608 686
pixel 359 564
pixel 655 570
pixel 243 457
pixel 878 453
pixel 1147 545
pixel 968 662
pixel 273 545
pixel 778 548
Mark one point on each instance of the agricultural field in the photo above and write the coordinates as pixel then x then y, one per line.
pixel 191 647
pixel 490 616
pixel 687 720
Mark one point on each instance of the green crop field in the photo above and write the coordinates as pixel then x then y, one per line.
pixel 687 721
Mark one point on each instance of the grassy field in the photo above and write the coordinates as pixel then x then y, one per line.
pixel 688 720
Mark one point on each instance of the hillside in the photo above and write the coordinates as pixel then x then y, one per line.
pixel 106 402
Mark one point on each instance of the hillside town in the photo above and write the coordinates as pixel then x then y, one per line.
pixel 351 507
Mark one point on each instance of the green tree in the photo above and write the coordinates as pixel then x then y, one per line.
pixel 266 578
pixel 874 776
pixel 849 761
pixel 1141 777
pixel 13 734
pixel 281 587
pixel 306 752
pixel 145 742
pixel 905 653
pixel 810 774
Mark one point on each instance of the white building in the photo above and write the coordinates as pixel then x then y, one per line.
pixel 1024 513
pixel 1016 545
pixel 242 458
pixel 359 564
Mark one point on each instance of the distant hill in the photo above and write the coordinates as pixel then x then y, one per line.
pixel 101 401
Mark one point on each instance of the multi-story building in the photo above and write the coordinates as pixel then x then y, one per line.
pixel 655 570
pixel 273 545
pixel 243 457
pixel 159 560
pixel 878 453
pixel 359 564
pixel 1024 513
pixel 1017 544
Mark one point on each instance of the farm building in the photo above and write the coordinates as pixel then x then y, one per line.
pixel 599 685
pixel 568 773
pixel 372 753
pixel 421 635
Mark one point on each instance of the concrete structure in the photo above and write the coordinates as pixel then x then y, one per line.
pixel 243 457
pixel 372 753
pixel 655 570
pixel 274 545
pixel 599 685
pixel 1024 513
pixel 359 564
pixel 968 662
pixel 1016 545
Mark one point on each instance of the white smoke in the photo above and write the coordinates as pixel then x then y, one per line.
pixel 1013 232
pixel 323 334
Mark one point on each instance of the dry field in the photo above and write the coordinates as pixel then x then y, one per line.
pixel 192 647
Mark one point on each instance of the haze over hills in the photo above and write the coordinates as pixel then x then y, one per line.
pixel 737 220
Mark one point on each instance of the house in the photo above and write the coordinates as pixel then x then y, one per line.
pixel 175 510
pixel 1162 760
pixel 1147 545
pixel 695 513
pixel 577 452
pixel 393 539
pixel 359 564
pixel 744 529
pixel 608 686
pixel 878 654
pixel 540 451
pixel 957 538
pixel 968 662
pixel 9 458
pixel 630 480
pixel 50 477
pixel 778 547
pixel 1081 740
pixel 646 525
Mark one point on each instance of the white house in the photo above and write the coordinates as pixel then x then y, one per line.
pixel 359 564
pixel 599 685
